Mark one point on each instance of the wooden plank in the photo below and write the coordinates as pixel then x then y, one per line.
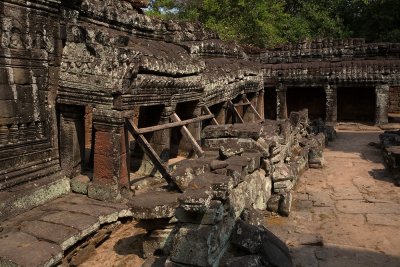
pixel 186 133
pixel 208 111
pixel 173 124
pixel 242 104
pixel 253 109
pixel 148 149
pixel 235 112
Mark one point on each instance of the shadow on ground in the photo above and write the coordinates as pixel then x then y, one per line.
pixel 339 256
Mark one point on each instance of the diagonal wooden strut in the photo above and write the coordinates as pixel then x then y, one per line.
pixel 253 108
pixel 208 112
pixel 148 149
pixel 188 135
pixel 235 112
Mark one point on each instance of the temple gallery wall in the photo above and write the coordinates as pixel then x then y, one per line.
pixel 99 99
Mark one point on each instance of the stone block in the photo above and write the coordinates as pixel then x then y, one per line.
pixel 273 251
pixel 212 215
pixel 79 184
pixel 154 205
pixel 201 245
pixel 285 204
pixel 247 237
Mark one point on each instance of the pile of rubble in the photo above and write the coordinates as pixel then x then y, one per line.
pixel 390 144
pixel 245 167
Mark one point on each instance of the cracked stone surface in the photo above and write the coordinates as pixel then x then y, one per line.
pixel 346 214
pixel 40 236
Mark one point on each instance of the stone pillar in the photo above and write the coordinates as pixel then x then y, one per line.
pixel 72 140
pixel 260 104
pixel 281 106
pixel 331 103
pixel 161 140
pixel 111 162
pixel 382 103
pixel 195 128
pixel 220 115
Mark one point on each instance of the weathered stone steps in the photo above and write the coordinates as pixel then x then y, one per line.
pixel 41 236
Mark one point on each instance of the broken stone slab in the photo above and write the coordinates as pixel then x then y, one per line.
pixel 63 236
pixel 154 205
pixel 21 249
pixel 201 245
pixel 237 172
pixel 213 215
pixel 219 185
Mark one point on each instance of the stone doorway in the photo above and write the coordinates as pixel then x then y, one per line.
pixel 356 104
pixel 311 98
pixel 270 103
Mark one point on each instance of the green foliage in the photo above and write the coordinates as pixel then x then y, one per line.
pixel 265 23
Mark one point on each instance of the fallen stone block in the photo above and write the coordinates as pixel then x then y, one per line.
pixel 273 251
pixel 154 205
pixel 247 237
pixel 213 215
pixel 285 204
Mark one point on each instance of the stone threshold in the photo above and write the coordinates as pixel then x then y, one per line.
pixel 45 234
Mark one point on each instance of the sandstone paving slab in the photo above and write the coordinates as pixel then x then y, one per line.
pixel 21 249
pixel 63 236
pixel 104 214
pixel 84 223
pixel 386 219
pixel 357 207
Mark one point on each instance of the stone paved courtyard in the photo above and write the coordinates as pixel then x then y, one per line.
pixel 347 214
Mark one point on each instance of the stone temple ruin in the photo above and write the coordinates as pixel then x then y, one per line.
pixel 188 133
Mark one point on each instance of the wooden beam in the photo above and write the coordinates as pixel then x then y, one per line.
pixel 242 104
pixel 235 112
pixel 173 124
pixel 187 134
pixel 148 149
pixel 208 112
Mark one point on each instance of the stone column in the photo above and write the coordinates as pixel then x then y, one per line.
pixel 72 140
pixel 331 103
pixel 382 103
pixel 161 140
pixel 260 104
pixel 195 128
pixel 281 106
pixel 220 115
pixel 111 162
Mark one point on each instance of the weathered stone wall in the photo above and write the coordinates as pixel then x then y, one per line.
pixel 394 99
pixel 30 54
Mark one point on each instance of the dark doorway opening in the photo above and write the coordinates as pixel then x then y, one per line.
pixel 356 104
pixel 311 98
pixel 270 103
